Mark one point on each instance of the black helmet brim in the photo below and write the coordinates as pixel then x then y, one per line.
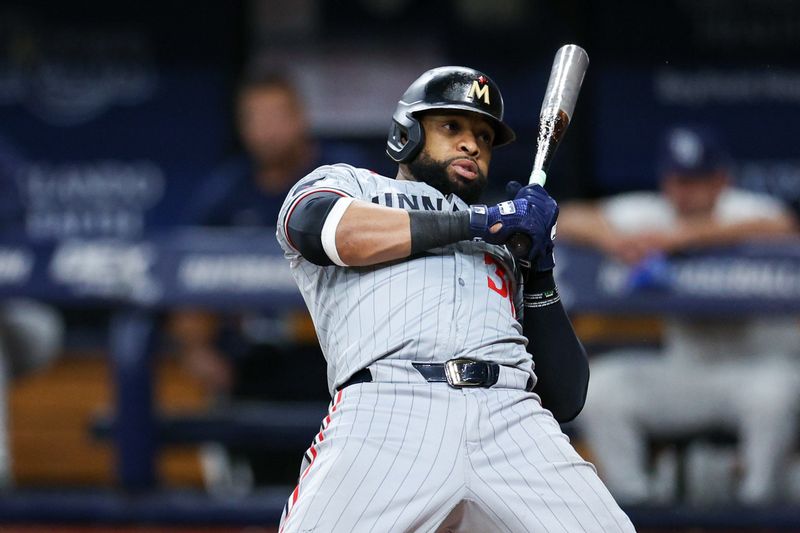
pixel 503 134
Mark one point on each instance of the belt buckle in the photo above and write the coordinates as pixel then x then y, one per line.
pixel 454 372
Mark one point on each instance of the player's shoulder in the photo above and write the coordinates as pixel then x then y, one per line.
pixel 738 194
pixel 637 210
pixel 340 177
pixel 735 202
pixel 634 201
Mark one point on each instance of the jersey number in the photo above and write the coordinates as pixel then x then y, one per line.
pixel 499 274
pixel 501 277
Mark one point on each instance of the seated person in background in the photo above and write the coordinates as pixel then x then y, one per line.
pixel 248 189
pixel 247 192
pixel 252 355
pixel 31 332
pixel 31 335
pixel 741 374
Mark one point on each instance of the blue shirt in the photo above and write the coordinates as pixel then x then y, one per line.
pixel 230 197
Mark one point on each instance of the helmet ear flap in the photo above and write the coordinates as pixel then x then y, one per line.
pixel 406 138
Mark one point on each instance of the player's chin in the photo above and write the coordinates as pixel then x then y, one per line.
pixel 469 190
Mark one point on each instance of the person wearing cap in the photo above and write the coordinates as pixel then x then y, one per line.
pixel 439 420
pixel 732 373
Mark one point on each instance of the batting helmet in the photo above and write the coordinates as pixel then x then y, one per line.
pixel 444 88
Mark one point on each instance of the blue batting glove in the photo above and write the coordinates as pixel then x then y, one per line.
pixel 541 255
pixel 516 216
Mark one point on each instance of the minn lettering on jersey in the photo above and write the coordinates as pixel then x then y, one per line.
pixel 412 202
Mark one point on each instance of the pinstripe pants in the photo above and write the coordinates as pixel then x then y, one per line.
pixel 428 457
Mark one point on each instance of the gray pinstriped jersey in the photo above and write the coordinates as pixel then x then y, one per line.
pixel 461 300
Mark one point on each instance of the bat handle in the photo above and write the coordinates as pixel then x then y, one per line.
pixel 519 245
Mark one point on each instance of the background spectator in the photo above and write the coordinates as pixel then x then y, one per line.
pixel 739 373
pixel 31 332
pixel 252 355
pixel 31 336
pixel 277 149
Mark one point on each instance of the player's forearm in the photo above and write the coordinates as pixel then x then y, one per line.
pixel 712 233
pixel 584 223
pixel 369 234
pixel 560 361
pixel 328 229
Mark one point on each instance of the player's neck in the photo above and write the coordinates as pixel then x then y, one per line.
pixel 404 174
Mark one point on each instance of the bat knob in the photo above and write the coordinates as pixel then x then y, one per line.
pixel 538 177
pixel 519 245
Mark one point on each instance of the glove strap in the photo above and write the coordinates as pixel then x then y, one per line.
pixel 478 219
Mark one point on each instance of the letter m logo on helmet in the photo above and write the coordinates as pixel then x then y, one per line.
pixel 456 88
pixel 480 91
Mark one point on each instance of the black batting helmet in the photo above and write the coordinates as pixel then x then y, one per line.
pixel 444 88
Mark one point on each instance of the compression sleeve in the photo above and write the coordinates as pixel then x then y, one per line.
pixel 430 229
pixel 307 228
pixel 561 364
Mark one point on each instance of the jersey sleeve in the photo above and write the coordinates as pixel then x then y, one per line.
pixel 336 179
pixel 637 211
pixel 738 205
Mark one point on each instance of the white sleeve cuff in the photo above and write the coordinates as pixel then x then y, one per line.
pixel 329 229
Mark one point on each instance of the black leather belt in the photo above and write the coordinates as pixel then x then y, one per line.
pixel 457 373
pixel 362 376
pixel 460 373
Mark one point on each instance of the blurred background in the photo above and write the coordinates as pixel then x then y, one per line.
pixel 158 368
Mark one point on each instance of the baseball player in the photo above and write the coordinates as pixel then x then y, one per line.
pixel 438 421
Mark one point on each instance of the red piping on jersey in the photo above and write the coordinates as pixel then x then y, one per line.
pixel 313 450
pixel 295 203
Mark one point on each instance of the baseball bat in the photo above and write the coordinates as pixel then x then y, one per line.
pixel 558 105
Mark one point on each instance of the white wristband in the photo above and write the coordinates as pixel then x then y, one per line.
pixel 328 234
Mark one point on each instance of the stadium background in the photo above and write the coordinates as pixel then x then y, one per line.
pixel 112 113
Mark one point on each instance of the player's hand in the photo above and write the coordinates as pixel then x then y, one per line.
pixel 496 223
pixel 546 208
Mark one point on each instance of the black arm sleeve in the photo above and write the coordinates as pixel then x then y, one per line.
pixel 561 364
pixel 305 226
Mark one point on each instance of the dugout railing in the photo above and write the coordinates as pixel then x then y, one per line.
pixel 224 270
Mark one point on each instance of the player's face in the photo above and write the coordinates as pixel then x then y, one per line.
pixel 457 153
pixel 271 123
pixel 693 195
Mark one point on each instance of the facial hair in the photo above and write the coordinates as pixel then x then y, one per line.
pixel 435 173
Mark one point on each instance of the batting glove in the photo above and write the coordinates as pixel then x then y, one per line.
pixel 516 216
pixel 546 213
